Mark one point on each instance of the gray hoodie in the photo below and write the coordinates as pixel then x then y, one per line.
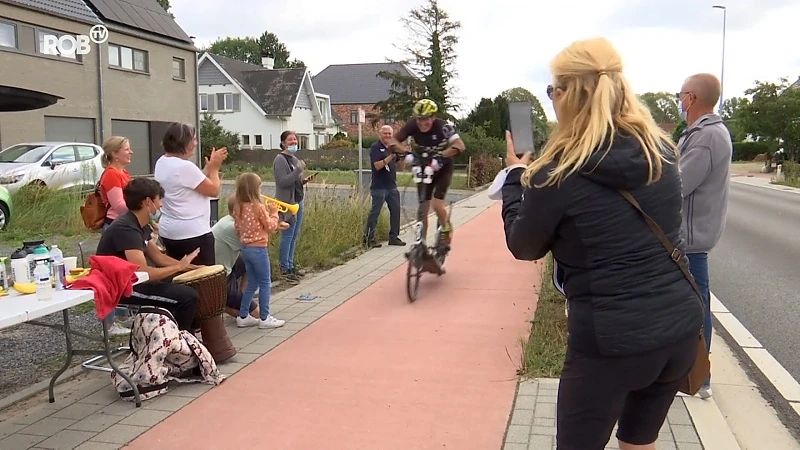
pixel 705 162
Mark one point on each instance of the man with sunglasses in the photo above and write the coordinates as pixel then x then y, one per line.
pixel 435 136
pixel 706 148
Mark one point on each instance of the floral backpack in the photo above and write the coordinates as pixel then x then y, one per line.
pixel 161 353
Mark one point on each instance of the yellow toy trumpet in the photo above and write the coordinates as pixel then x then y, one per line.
pixel 283 206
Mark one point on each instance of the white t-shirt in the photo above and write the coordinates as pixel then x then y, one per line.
pixel 185 213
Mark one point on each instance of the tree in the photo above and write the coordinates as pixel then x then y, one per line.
pixel 244 49
pixel 772 114
pixel 538 117
pixel 663 106
pixel 250 50
pixel 676 133
pixel 214 135
pixel 271 46
pixel 730 114
pixel 431 53
pixel 165 4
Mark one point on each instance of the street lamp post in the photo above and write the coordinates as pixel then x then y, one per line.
pixel 722 71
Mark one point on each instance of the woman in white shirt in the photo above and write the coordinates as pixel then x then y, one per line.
pixel 185 219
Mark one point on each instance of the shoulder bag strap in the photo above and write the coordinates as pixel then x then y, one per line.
pixel 675 254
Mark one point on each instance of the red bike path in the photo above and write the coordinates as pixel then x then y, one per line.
pixel 379 372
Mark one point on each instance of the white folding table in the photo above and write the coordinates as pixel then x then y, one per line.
pixel 17 308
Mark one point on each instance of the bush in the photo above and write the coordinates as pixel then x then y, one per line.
pixel 337 144
pixel 484 169
pixel 339 137
pixel 478 143
pixel 791 173
pixel 366 141
pixel 747 151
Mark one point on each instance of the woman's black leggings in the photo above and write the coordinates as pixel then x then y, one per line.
pixel 177 249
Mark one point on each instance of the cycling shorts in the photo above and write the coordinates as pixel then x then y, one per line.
pixel 439 184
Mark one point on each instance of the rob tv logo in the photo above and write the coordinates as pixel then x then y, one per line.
pixel 68 45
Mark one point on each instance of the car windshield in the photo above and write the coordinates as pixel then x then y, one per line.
pixel 24 153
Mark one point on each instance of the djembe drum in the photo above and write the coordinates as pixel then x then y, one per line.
pixel 211 283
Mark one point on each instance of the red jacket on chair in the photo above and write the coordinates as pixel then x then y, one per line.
pixel 111 278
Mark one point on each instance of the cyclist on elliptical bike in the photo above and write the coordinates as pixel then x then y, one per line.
pixel 437 139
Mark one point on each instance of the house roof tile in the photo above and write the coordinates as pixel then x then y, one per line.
pixel 71 9
pixel 356 83
pixel 275 90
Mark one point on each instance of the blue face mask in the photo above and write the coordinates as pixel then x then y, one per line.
pixel 683 113
pixel 292 148
pixel 154 216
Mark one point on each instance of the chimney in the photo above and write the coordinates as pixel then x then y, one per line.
pixel 267 62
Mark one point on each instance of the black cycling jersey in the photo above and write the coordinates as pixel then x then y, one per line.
pixel 435 140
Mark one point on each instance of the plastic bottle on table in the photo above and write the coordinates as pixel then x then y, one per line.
pixel 57 263
pixel 20 269
pixel 41 275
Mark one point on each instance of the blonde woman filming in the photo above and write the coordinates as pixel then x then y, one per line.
pixel 634 319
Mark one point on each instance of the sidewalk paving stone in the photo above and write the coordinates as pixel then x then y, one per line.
pixel 533 424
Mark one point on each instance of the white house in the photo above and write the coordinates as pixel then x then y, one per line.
pixel 260 102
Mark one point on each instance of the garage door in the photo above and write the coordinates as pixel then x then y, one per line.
pixel 69 129
pixel 139 135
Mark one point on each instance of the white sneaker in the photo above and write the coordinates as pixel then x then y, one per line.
pixel 248 321
pixel 118 330
pixel 271 322
pixel 704 392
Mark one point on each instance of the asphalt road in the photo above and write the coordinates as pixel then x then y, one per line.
pixel 408 196
pixel 754 268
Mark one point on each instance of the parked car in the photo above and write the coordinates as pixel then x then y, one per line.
pixel 58 165
pixel 5 208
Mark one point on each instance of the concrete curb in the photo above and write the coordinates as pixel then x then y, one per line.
pixel 767 184
pixel 775 373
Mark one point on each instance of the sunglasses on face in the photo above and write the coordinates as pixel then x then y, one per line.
pixel 550 90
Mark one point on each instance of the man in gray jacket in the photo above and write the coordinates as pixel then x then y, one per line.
pixel 706 149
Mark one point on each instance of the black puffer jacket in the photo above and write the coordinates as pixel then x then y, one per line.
pixel 625 294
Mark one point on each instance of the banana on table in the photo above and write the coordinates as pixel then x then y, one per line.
pixel 30 288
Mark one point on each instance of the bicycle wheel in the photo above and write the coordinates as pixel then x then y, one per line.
pixel 413 273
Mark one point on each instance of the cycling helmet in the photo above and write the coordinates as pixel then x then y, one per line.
pixel 425 108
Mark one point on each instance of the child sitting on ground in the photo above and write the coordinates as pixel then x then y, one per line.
pixel 253 223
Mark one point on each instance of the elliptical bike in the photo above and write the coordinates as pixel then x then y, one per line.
pixel 422 257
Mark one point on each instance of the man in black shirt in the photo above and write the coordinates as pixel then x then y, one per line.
pixel 435 139
pixel 129 238
pixel 384 189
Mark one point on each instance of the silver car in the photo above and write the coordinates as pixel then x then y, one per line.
pixel 58 165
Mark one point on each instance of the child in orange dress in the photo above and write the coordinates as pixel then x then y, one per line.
pixel 254 222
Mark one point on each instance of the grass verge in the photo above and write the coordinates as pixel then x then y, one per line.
pixel 40 212
pixel 345 177
pixel 543 354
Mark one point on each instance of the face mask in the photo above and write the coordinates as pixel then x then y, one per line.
pixel 683 113
pixel 154 216
pixel 292 148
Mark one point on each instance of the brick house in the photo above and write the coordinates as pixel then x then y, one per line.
pixel 134 84
pixel 351 86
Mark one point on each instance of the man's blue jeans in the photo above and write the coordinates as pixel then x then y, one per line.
pixel 256 263
pixel 698 266
pixel 289 241
pixel 392 199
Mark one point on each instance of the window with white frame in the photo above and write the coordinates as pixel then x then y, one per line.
pixel 203 102
pixel 302 143
pixel 8 35
pixel 40 36
pixel 258 140
pixel 178 68
pixel 246 140
pixel 354 116
pixel 128 58
pixel 323 111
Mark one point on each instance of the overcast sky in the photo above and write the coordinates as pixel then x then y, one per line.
pixel 508 43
